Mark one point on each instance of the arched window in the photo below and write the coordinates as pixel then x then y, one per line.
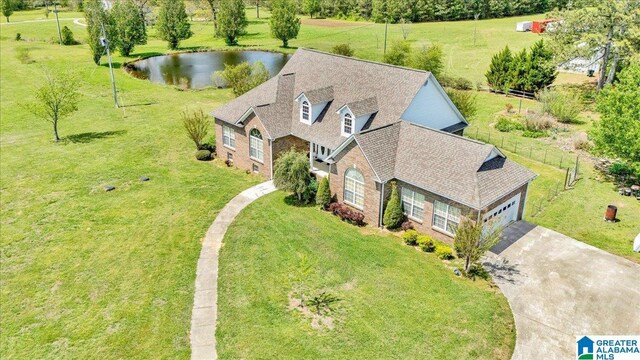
pixel 305 112
pixel 354 188
pixel 347 126
pixel 255 145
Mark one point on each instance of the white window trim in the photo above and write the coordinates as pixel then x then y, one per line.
pixel 413 204
pixel 232 136
pixel 257 149
pixel 302 120
pixel 446 218
pixel 359 207
pixel 353 124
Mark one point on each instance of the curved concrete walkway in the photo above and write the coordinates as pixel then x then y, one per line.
pixel 205 311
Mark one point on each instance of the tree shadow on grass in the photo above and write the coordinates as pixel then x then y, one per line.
pixel 292 200
pixel 88 137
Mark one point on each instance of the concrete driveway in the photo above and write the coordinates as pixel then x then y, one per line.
pixel 560 288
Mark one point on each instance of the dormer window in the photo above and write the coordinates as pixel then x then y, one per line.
pixel 347 124
pixel 305 112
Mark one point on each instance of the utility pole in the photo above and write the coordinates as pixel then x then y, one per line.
pixel 105 43
pixel 386 25
pixel 55 11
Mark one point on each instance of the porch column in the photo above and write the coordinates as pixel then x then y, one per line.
pixel 310 155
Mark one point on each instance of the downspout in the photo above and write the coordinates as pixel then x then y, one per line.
pixel 381 205
pixel 271 155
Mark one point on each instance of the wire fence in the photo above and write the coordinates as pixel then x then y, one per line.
pixel 533 150
pixel 539 203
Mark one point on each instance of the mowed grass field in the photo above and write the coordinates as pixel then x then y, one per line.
pixel 395 302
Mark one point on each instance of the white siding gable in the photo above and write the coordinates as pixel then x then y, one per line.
pixel 432 108
pixel 316 109
pixel 358 123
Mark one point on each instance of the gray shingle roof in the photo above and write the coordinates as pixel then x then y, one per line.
pixel 445 164
pixel 352 81
pixel 363 107
pixel 317 96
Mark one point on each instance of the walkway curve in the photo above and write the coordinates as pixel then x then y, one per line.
pixel 205 303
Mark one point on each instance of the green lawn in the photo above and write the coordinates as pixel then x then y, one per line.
pixel 86 273
pixel 396 302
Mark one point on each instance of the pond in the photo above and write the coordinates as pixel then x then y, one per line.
pixel 194 70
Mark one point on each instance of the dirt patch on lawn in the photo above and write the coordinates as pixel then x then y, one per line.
pixel 330 23
pixel 318 321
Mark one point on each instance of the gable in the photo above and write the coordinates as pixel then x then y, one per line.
pixel 431 107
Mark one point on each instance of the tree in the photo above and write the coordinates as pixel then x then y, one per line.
pixel 498 76
pixel 284 23
pixel 173 22
pixel 429 59
pixel 465 101
pixel 243 77
pixel 55 99
pixel 67 36
pixel 7 8
pixel 291 173
pixel 610 26
pixel 323 197
pixel 197 126
pixel 311 7
pixel 472 241
pixel 618 131
pixel 542 69
pixel 97 19
pixel 130 27
pixel 519 72
pixel 232 21
pixel 393 215
pixel 343 49
pixel 398 54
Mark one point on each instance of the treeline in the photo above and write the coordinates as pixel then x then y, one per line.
pixel 426 10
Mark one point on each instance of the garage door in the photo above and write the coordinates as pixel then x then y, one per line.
pixel 503 214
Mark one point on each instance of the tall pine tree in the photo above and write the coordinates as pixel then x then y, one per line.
pixel 498 76
pixel 542 71
pixel 97 19
pixel 173 22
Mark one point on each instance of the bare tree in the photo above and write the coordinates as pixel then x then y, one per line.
pixel 197 125
pixel 56 98
pixel 405 27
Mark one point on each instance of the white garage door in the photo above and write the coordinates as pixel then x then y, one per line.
pixel 503 214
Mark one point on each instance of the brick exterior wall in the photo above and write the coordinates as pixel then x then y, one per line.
pixel 523 192
pixel 285 143
pixel 352 157
pixel 241 158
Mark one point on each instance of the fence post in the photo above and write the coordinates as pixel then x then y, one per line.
pixel 545 155
pixel 561 157
pixel 566 180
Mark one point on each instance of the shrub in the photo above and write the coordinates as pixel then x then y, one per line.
pixel 393 216
pixel 22 54
pixel 243 77
pixel 347 214
pixel 67 36
pixel 505 124
pixel 537 123
pixel 203 155
pixel 291 173
pixel 429 59
pixel 197 126
pixel 508 107
pixel 18 36
pixel 620 169
pixel 581 142
pixel 444 252
pixel 477 271
pixel 458 83
pixel 426 243
pixel 465 101
pixel 534 134
pixel 564 105
pixel 323 197
pixel 398 54
pixel 343 49
pixel 310 192
pixel 406 225
pixel 410 237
